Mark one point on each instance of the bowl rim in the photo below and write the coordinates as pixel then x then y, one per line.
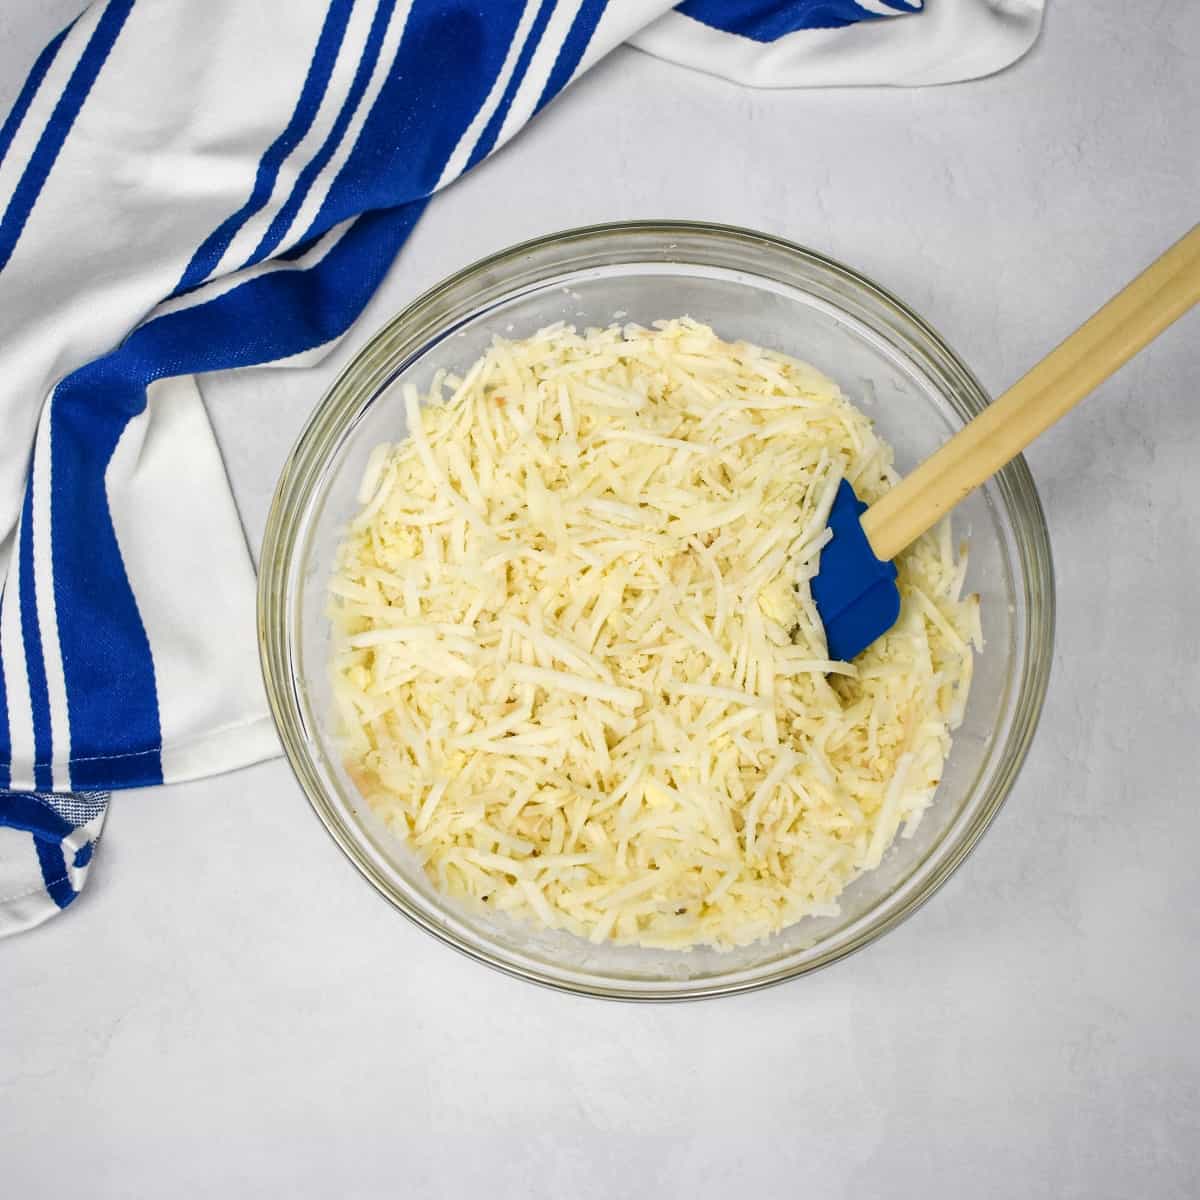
pixel 280 541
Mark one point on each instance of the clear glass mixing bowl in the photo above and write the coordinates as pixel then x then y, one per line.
pixel 750 286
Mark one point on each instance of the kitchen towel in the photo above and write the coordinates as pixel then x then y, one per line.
pixel 189 187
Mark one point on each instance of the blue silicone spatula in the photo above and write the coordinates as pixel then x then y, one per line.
pixel 855 588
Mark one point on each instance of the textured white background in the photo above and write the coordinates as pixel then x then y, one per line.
pixel 229 1008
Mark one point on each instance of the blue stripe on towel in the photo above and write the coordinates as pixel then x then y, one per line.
pixel 312 92
pixel 112 702
pixel 447 61
pixel 41 162
pixel 5 736
pixel 24 99
pixel 491 131
pixel 54 872
pixel 31 639
pixel 769 20
pixel 362 76
pixel 31 814
pixel 574 47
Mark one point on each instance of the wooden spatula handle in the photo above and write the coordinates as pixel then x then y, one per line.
pixel 1133 317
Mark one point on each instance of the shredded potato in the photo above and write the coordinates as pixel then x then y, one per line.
pixel 576 661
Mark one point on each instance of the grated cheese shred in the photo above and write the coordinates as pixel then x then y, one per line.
pixel 576 662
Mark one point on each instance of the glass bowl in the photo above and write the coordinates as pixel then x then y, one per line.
pixel 750 286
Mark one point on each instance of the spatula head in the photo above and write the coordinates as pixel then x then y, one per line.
pixel 855 592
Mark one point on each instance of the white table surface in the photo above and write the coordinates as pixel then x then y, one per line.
pixel 229 1007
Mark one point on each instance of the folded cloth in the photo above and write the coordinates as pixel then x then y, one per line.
pixel 194 187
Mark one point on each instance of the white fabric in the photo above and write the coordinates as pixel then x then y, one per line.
pixel 181 539
pixel 953 40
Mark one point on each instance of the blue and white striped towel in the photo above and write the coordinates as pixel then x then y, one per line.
pixel 189 187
